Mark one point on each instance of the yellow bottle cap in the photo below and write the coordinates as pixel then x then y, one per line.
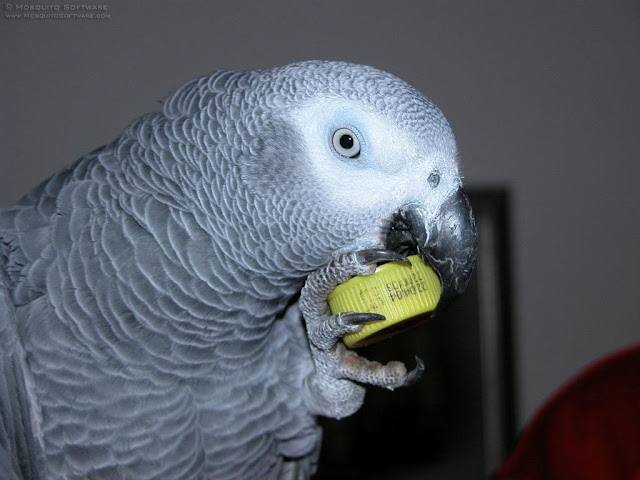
pixel 399 292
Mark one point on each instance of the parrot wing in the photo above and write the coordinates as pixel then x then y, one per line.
pixel 19 458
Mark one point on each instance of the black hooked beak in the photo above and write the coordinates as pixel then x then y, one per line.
pixel 448 241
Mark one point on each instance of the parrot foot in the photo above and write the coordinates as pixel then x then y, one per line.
pixel 391 375
pixel 324 329
pixel 334 392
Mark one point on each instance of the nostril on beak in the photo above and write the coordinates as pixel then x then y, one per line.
pixel 434 179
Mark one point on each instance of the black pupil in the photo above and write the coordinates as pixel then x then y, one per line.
pixel 346 141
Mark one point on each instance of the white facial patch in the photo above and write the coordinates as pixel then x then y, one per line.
pixel 391 168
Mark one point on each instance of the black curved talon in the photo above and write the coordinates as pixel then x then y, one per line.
pixel 370 256
pixel 416 374
pixel 355 318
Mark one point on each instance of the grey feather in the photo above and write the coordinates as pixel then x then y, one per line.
pixel 21 455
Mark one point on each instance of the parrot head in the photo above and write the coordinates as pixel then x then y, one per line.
pixel 351 158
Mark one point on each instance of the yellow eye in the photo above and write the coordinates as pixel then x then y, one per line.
pixel 346 143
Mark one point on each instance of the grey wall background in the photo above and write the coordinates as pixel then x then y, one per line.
pixel 544 98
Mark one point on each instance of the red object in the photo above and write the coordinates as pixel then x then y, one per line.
pixel 589 430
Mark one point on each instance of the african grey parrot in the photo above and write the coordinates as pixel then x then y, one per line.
pixel 150 308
